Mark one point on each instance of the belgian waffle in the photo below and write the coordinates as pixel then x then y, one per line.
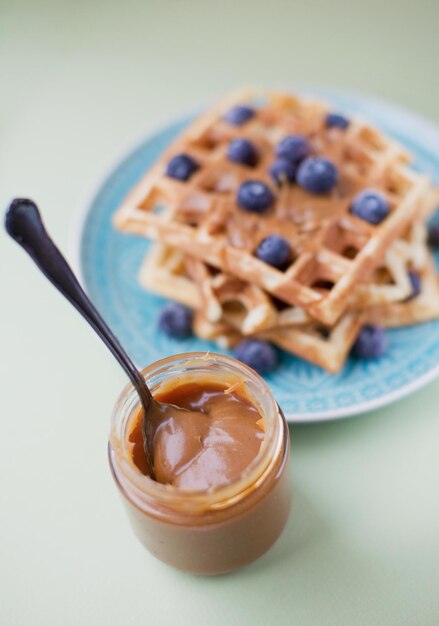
pixel 173 274
pixel 334 251
pixel 329 347
pixel 228 309
pixel 305 338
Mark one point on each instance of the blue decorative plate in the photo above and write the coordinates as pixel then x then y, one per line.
pixel 110 264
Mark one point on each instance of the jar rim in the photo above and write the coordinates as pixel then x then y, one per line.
pixel 142 490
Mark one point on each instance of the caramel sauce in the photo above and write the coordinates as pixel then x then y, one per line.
pixel 208 445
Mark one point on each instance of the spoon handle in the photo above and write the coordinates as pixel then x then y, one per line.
pixel 23 223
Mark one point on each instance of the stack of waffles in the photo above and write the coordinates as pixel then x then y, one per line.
pixel 344 271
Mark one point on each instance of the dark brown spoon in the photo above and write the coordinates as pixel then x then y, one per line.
pixel 23 223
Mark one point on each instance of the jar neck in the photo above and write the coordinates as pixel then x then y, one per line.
pixel 147 494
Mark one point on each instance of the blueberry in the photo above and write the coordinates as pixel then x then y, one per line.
pixel 294 148
pixel 258 354
pixel 275 251
pixel 371 206
pixel 415 282
pixel 255 196
pixel 371 343
pixel 176 320
pixel 239 115
pixel 433 234
pixel 283 171
pixel 242 151
pixel 317 175
pixel 181 167
pixel 335 120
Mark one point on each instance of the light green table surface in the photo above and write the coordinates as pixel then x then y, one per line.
pixel 79 82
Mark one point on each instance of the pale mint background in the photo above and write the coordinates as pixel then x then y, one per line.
pixel 79 82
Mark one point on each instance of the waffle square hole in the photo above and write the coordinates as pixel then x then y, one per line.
pixel 213 271
pixel 397 184
pixel 323 332
pixel 349 252
pixel 345 241
pixel 235 309
pixel 193 209
pixel 207 142
pixel 279 305
pixel 356 162
pixel 322 284
pixel 221 181
pixel 317 277
pixel 382 276
pixel 372 139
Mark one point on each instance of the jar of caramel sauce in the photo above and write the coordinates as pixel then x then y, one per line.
pixel 222 491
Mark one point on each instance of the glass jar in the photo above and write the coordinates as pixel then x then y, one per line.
pixel 215 531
